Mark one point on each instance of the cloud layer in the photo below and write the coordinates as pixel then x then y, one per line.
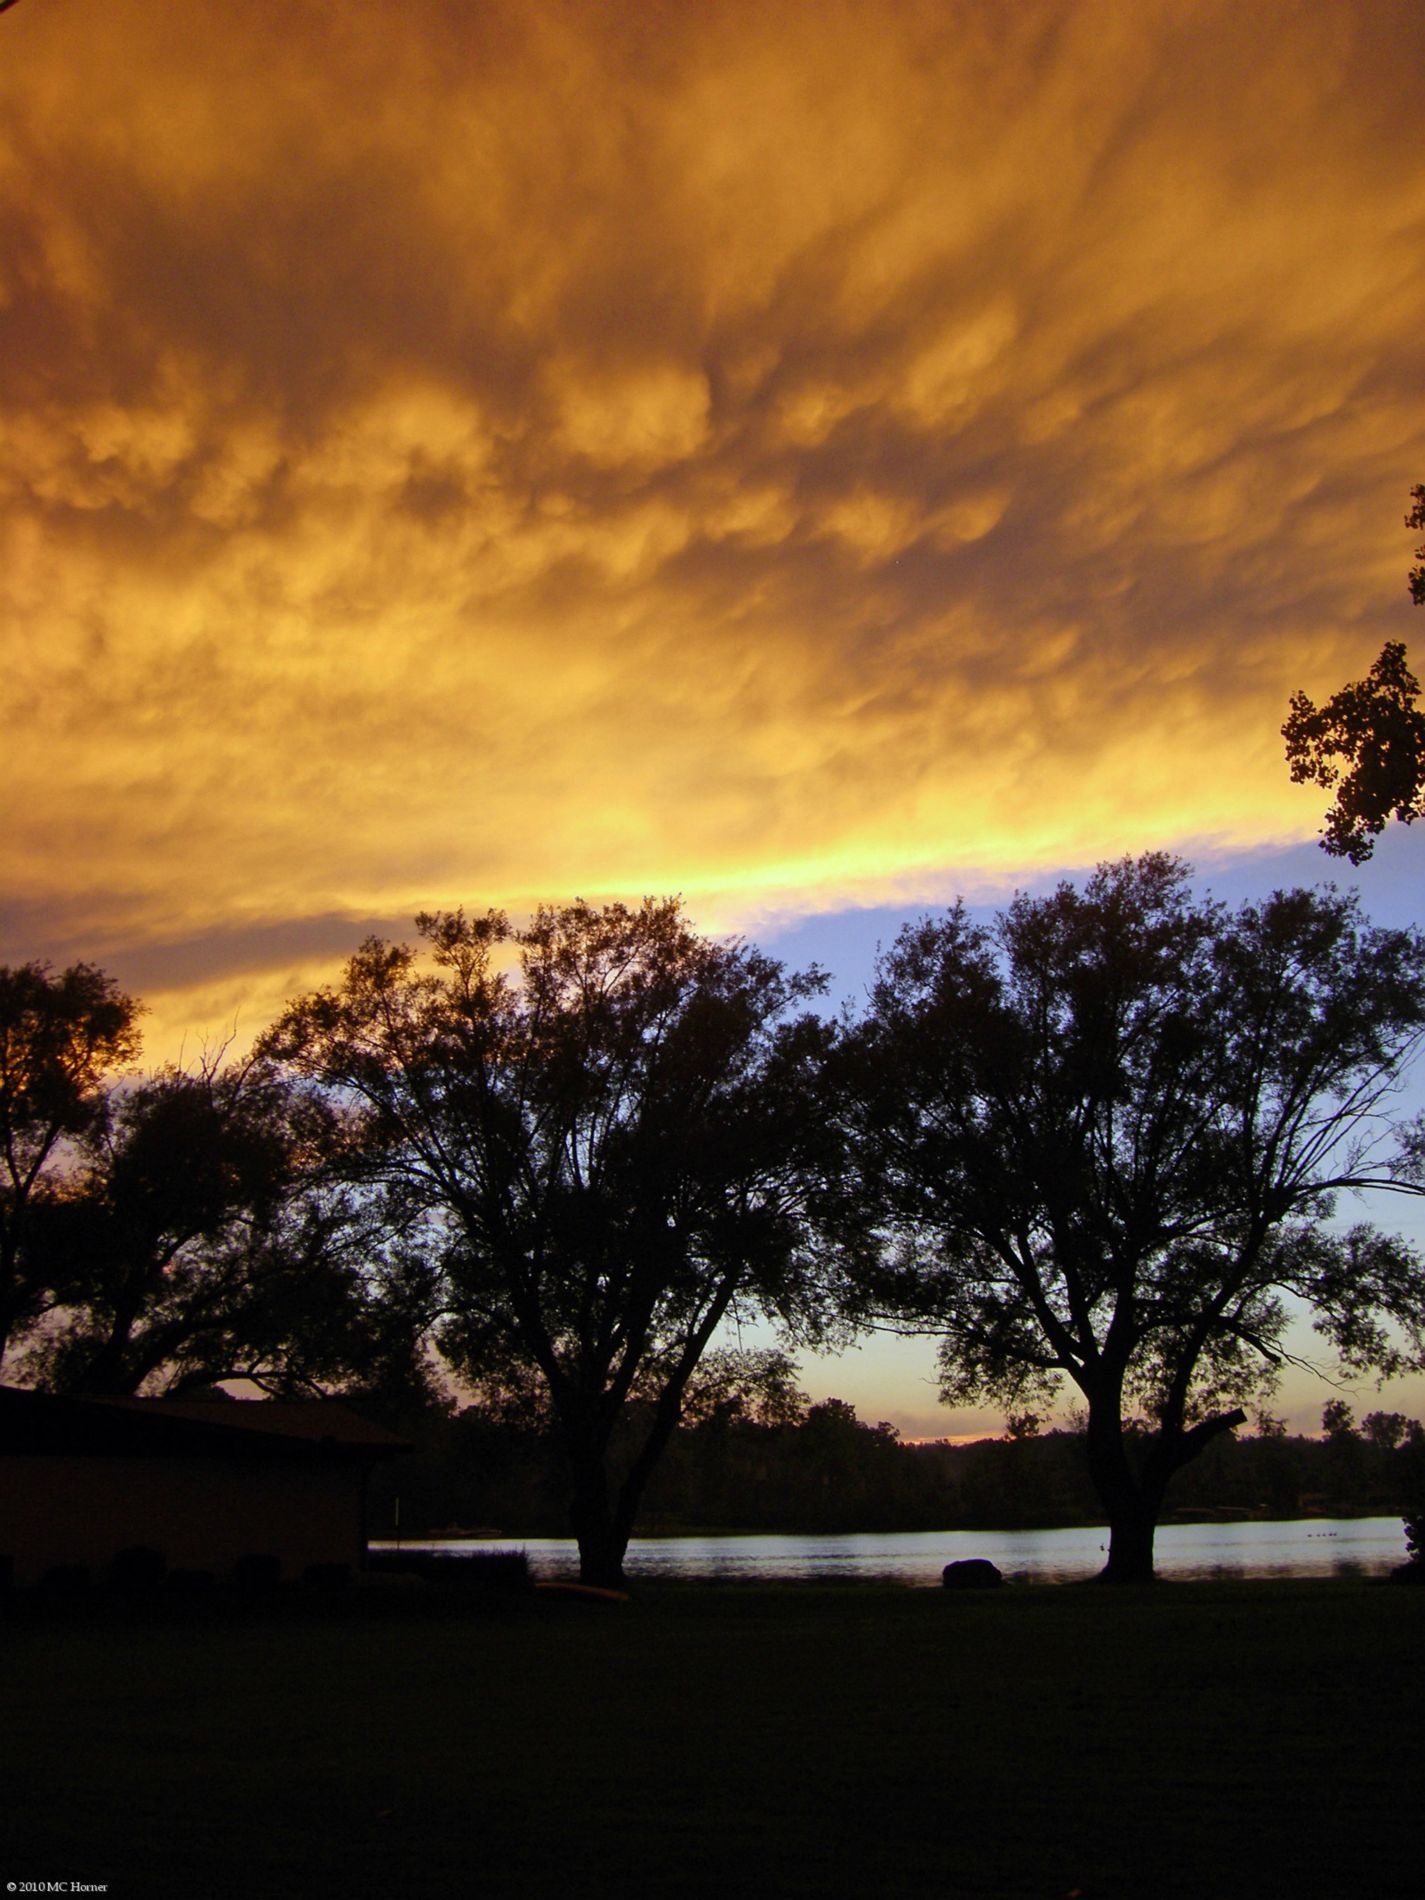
pixel 796 455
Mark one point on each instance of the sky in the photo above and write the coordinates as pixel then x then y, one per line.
pixel 816 458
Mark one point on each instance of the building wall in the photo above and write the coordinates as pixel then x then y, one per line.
pixel 203 1514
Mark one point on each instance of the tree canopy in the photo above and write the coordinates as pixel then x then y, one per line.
pixel 1367 742
pixel 63 1038
pixel 1101 1139
pixel 194 1235
pixel 604 1129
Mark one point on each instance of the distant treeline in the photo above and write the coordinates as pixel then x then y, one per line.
pixel 826 1470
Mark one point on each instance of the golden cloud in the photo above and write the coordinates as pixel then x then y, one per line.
pixel 798 456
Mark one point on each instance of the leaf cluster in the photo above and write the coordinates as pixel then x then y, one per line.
pixel 1368 744
pixel 1368 741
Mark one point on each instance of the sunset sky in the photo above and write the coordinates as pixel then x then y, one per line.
pixel 814 457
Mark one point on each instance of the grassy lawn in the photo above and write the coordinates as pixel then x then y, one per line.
pixel 1211 1740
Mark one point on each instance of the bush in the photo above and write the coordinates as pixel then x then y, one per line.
pixel 1415 1534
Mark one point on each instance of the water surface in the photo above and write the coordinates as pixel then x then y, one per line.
pixel 1307 1547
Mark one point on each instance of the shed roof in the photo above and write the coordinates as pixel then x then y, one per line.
pixel 45 1423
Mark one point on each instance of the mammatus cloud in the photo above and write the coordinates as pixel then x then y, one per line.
pixel 797 456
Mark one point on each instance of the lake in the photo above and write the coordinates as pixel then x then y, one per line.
pixel 1305 1547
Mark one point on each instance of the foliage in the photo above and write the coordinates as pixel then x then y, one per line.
pixel 746 1385
pixel 61 1040
pixel 193 1238
pixel 1368 740
pixel 1101 1138
pixel 609 1149
pixel 1386 1430
pixel 175 1229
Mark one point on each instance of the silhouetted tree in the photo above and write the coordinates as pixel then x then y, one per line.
pixel 1385 1430
pixel 194 1237
pixel 1101 1138
pixel 612 1147
pixel 62 1038
pixel 1368 739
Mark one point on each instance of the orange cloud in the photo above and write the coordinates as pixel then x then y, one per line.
pixel 799 456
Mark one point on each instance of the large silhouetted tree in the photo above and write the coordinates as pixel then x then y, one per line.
pixel 1367 742
pixel 195 1235
pixel 62 1040
pixel 609 1129
pixel 1102 1138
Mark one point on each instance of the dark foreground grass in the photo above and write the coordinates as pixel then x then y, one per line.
pixel 1210 1740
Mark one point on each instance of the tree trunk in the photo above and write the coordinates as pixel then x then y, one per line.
pixel 601 1553
pixel 1134 1499
pixel 1131 1505
pixel 601 1542
pixel 604 1522
pixel 1132 1523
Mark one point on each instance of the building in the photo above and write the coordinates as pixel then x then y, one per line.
pixel 205 1482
